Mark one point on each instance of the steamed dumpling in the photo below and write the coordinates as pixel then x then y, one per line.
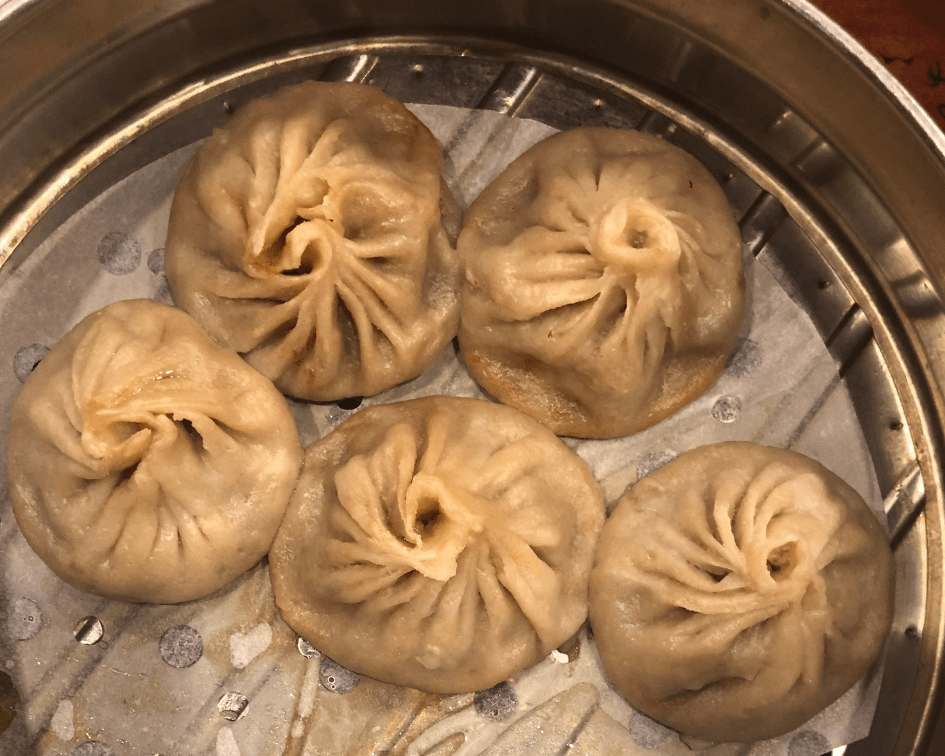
pixel 739 590
pixel 147 463
pixel 604 285
pixel 307 235
pixel 441 543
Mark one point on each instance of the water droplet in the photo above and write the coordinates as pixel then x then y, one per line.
pixel 232 706
pixel 727 409
pixel 89 630
pixel 307 649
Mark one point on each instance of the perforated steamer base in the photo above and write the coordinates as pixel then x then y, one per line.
pixel 789 236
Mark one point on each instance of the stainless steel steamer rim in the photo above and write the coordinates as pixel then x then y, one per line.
pixel 837 176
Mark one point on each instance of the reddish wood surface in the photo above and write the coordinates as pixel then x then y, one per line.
pixel 908 36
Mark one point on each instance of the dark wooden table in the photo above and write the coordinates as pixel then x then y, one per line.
pixel 908 36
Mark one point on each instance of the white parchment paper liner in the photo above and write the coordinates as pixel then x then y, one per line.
pixel 252 690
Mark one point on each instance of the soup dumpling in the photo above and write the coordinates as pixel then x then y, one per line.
pixel 146 462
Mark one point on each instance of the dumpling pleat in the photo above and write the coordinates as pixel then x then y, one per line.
pixel 352 583
pixel 534 584
pixel 390 303
pixel 450 633
pixel 508 464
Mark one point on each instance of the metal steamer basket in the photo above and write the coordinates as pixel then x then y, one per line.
pixel 837 176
